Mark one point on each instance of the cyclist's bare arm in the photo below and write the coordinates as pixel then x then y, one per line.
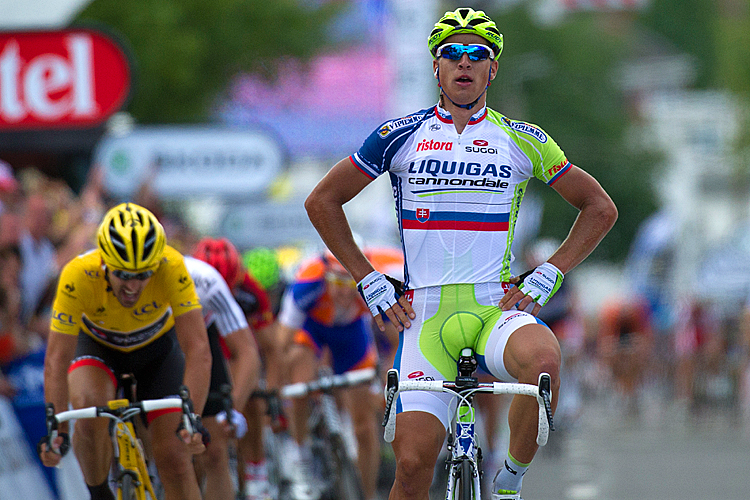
pixel 325 208
pixel 270 344
pixel 193 339
pixel 60 351
pixel 244 365
pixel 597 214
pixel 286 339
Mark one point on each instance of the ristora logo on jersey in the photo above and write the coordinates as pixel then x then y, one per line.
pixel 60 79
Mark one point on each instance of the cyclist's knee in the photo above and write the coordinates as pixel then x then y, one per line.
pixel 173 466
pixel 533 351
pixel 414 473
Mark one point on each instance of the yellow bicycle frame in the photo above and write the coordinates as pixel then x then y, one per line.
pixel 131 456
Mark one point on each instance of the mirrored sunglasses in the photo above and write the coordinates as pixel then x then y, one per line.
pixel 454 52
pixel 127 275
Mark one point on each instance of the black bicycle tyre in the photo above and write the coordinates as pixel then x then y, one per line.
pixel 348 484
pixel 465 482
pixel 127 487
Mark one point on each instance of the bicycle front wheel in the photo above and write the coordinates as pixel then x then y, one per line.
pixel 465 481
pixel 348 485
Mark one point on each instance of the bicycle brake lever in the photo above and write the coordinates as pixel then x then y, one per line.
pixel 391 389
pixel 545 391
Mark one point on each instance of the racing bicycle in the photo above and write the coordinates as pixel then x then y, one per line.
pixel 464 462
pixel 330 437
pixel 130 469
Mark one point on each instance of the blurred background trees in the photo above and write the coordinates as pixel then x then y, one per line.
pixel 571 75
pixel 187 51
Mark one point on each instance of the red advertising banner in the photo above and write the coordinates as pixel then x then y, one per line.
pixel 73 78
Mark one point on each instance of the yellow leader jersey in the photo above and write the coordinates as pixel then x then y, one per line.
pixel 85 302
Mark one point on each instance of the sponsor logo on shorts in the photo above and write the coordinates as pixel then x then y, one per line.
pixel 416 374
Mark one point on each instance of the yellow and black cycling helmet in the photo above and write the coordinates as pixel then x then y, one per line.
pixel 131 238
pixel 466 20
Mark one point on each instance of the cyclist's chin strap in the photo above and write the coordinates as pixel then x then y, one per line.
pixel 464 106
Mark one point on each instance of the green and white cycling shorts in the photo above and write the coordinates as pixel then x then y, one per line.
pixel 448 319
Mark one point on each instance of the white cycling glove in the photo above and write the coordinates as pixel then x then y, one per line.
pixel 379 292
pixel 237 419
pixel 542 283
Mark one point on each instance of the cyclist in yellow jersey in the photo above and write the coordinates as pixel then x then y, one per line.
pixel 129 306
pixel 459 171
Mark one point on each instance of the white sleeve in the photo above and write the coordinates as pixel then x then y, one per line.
pixel 291 315
pixel 228 314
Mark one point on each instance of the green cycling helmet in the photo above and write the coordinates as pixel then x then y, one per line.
pixel 262 265
pixel 466 20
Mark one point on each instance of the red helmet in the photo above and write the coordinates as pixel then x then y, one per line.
pixel 222 255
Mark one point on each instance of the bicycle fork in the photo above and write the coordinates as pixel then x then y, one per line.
pixel 128 449
pixel 462 446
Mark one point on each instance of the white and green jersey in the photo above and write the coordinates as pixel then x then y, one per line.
pixel 457 195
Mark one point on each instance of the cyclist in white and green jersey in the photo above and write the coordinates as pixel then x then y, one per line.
pixel 459 171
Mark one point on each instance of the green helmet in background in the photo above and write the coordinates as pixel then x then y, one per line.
pixel 466 20
pixel 263 265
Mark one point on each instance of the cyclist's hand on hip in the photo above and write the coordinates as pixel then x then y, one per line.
pixel 533 289
pixel 384 295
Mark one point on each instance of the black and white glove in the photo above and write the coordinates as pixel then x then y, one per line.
pixel 380 292
pixel 541 283
pixel 237 420
pixel 64 447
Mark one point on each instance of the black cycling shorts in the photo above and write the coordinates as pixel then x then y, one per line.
pixel 219 374
pixel 158 368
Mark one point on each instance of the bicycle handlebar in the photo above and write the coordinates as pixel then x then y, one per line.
pixel 105 411
pixel 190 421
pixel 542 392
pixel 346 379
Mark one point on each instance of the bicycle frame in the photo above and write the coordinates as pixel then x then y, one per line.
pixel 128 452
pixel 465 456
pixel 129 455
pixel 462 446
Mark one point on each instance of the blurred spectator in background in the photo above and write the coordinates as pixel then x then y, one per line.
pixel 625 344
pixel 8 186
pixel 11 338
pixel 38 256
pixel 697 324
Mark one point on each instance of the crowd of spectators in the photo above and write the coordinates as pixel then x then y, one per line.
pixel 43 225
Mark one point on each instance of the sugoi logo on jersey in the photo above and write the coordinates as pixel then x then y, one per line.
pixel 392 125
pixel 481 146
pixel 423 214
pixel 529 129
pixel 426 145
